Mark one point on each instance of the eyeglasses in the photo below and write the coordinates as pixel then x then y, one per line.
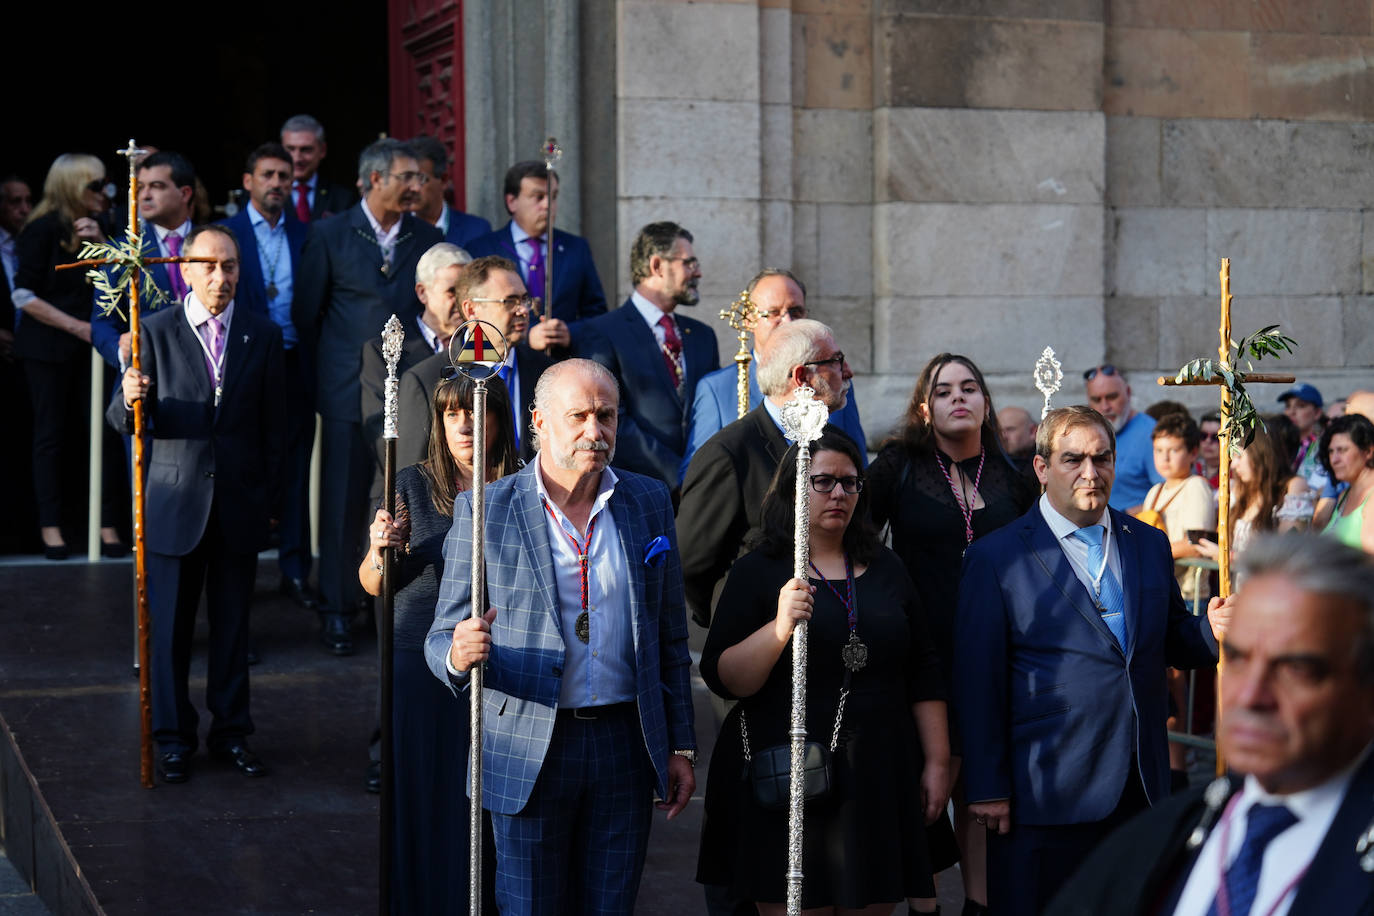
pixel 836 360
pixel 1091 374
pixel 689 263
pixel 419 178
pixel 825 483
pixel 511 303
pixel 796 313
pixel 1211 437
pixel 96 186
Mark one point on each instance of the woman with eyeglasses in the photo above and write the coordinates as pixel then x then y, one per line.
pixel 874 692
pixel 429 724
pixel 53 340
pixel 941 483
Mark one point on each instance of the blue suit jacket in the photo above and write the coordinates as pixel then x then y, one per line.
pixel 343 299
pixel 229 458
pixel 716 406
pixel 577 292
pixel 106 329
pixel 523 677
pixel 652 433
pixel 1049 706
pixel 464 227
pixel 252 288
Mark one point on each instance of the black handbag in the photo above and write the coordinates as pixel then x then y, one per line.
pixel 769 771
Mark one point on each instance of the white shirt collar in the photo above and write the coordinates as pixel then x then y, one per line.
pixel 1318 801
pixel 428 333
pixel 1060 525
pixel 183 230
pixel 442 224
pixel 647 310
pixel 384 238
pixel 198 314
pixel 603 491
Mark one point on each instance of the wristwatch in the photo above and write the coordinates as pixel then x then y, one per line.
pixel 690 754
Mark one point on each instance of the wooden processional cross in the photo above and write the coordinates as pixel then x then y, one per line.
pixel 129 256
pixel 1238 419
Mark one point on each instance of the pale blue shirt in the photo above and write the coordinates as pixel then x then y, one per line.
pixel 524 252
pixel 274 257
pixel 600 671
pixel 1077 552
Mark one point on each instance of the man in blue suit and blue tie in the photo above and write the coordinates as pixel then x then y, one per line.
pixel 577 293
pixel 1066 622
pixel 458 227
pixel 780 297
pixel 587 708
pixel 657 355
pixel 270 238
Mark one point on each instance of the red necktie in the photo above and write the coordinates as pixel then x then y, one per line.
pixel 303 201
pixel 672 351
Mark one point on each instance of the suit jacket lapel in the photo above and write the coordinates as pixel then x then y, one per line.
pixel 250 265
pixel 193 357
pixel 530 516
pixel 1335 883
pixel 238 344
pixel 357 221
pixel 158 272
pixel 1128 551
pixel 1042 543
pixel 629 526
pixel 646 342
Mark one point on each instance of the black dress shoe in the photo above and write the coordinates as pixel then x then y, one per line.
pixel 374 777
pixel 58 552
pixel 243 759
pixel 334 633
pixel 175 766
pixel 299 591
pixel 114 551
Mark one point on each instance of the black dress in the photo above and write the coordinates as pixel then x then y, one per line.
pixel 911 492
pixel 430 732
pixel 865 843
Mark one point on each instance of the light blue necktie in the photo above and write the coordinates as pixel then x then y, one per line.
pixel 1110 600
pixel 1264 823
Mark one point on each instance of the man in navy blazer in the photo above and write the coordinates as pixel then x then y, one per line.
pixel 211 380
pixel 587 707
pixel 1061 692
pixel 270 239
pixel 357 270
pixel 657 355
pixel 780 297
pixel 577 292
pixel 458 227
pixel 166 183
pixel 312 198
pixel 1298 697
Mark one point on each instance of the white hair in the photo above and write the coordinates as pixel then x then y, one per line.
pixel 441 255
pixel 790 345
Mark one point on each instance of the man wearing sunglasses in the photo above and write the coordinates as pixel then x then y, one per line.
pixel 1110 396
pixel 780 297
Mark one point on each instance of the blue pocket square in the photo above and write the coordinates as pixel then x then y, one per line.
pixel 655 551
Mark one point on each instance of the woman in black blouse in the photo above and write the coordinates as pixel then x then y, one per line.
pixel 864 846
pixel 429 724
pixel 941 483
pixel 54 335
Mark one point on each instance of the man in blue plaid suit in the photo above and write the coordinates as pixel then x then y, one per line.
pixel 587 708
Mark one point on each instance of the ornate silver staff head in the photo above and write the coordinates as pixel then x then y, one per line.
pixel 804 417
pixel 1048 376
pixel 552 153
pixel 392 336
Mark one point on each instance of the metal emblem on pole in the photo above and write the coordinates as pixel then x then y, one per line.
pixel 742 315
pixel 1049 377
pixel 475 350
pixel 803 419
pixel 393 334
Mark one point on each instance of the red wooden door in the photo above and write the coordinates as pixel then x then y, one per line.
pixel 425 41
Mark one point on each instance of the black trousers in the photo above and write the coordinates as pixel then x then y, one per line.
pixel 225 573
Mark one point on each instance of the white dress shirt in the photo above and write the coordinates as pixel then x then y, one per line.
pixel 651 315
pixel 386 238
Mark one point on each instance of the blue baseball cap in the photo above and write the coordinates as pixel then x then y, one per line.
pixel 1303 392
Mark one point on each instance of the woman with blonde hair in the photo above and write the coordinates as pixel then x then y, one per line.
pixel 54 333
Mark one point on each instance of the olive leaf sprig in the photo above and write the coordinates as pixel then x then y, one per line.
pixel 112 283
pixel 1240 420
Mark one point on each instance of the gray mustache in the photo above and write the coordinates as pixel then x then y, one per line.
pixel 598 445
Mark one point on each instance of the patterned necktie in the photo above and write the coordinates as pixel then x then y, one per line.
pixel 672 351
pixel 1110 600
pixel 303 201
pixel 174 279
pixel 214 339
pixel 1264 823
pixel 535 280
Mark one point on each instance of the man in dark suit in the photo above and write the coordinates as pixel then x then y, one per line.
pixel 489 289
pixel 657 355
pixel 1288 830
pixel 779 297
pixel 1067 620
pixel 588 704
pixel 357 270
pixel 166 184
pixel 458 227
pixel 270 239
pixel 577 293
pixel 312 198
pixel 726 481
pixel 211 381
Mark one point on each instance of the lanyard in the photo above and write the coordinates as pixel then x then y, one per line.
pixel 1223 895
pixel 583 548
pixel 218 364
pixel 965 510
pixel 851 609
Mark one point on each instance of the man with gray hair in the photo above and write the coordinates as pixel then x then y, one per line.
pixel 723 492
pixel 458 227
pixel 357 270
pixel 312 198
pixel 1288 831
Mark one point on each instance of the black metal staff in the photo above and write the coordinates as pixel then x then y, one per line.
pixel 803 419
pixel 392 336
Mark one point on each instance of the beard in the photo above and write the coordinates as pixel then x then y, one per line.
pixel 688 295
